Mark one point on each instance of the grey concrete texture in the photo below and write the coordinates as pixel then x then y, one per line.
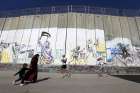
pixel 114 26
pixel 108 27
pixel 111 70
pixel 133 27
pixel 2 21
pixel 78 83
pixel 45 22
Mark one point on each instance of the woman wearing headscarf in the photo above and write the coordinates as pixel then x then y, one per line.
pixel 33 69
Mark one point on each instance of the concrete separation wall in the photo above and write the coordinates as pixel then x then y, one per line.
pixel 112 70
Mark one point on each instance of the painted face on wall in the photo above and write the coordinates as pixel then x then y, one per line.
pixel 44 39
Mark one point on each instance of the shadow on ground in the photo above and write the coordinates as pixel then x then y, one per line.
pixel 43 79
pixel 133 78
pixel 39 80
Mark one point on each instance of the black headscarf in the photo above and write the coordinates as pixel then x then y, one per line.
pixel 34 61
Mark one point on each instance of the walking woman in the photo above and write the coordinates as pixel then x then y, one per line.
pixel 64 70
pixel 33 69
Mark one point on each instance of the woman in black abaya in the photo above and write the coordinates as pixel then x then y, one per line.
pixel 32 74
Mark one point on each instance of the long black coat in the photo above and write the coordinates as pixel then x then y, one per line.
pixel 32 74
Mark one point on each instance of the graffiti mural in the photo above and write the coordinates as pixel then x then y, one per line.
pixel 122 52
pixel 84 47
pixel 45 50
pixel 10 52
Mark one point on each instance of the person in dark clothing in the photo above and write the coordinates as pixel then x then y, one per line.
pixel 31 75
pixel 64 71
pixel 64 61
pixel 21 73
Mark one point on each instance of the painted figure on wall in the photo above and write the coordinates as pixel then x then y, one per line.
pixel 122 53
pixel 6 53
pixel 46 51
pixel 14 52
pixel 91 48
pixel 75 54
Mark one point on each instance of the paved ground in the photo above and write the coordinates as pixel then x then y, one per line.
pixel 79 83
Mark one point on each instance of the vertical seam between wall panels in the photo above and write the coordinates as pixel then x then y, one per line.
pixel 113 35
pixel 39 31
pixel 112 26
pixel 66 32
pixel 121 29
pixel 120 24
pixel 8 29
pixel 130 35
pixel 31 31
pixel 76 30
pixel 49 22
pixel 30 35
pixel 2 30
pixel 104 36
pixel 16 29
pixel 95 38
pixel 3 26
pixel 86 28
pixel 137 28
pixel 23 30
pixel 76 36
pixel 129 32
pixel 15 34
pixel 56 32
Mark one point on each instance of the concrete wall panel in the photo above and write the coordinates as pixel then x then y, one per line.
pixel 14 23
pixel 71 20
pixel 62 20
pixel 90 21
pixel 134 31
pixel 54 20
pixel 29 22
pixel 116 29
pixel 125 28
pixel 21 23
pixel 69 30
pixel 37 21
pixel 108 27
pixel 98 22
pixel 8 24
pixel 138 23
pixel 2 22
pixel 80 23
pixel 45 21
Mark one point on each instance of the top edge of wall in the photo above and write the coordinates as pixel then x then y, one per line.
pixel 70 9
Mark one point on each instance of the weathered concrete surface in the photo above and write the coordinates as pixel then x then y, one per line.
pixel 79 83
pixel 79 69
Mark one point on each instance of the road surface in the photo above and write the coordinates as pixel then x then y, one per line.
pixel 78 83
